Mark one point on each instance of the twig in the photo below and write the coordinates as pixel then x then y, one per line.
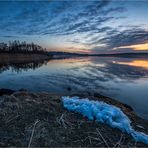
pixel 102 137
pixel 62 121
pixel 119 142
pixel 90 139
pixel 32 133
pixel 79 123
pixel 12 119
pixel 135 144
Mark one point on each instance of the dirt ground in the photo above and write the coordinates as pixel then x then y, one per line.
pixel 39 120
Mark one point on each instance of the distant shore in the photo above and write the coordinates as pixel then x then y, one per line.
pixel 15 58
pixel 58 55
pixel 40 120
pixel 22 57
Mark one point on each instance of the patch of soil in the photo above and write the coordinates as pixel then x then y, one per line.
pixel 39 120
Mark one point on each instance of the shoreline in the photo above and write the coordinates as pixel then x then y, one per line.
pixel 21 110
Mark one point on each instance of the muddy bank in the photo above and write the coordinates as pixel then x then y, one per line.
pixel 6 58
pixel 39 120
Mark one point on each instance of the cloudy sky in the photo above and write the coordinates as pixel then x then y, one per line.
pixel 77 26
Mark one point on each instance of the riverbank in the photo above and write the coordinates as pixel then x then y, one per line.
pixel 39 120
pixel 6 58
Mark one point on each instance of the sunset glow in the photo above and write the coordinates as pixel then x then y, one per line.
pixel 137 63
pixel 136 47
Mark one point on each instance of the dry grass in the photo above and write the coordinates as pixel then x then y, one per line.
pixel 39 120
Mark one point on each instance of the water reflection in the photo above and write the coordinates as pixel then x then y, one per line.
pixel 125 79
pixel 137 63
pixel 20 67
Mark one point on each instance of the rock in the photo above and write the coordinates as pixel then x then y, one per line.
pixel 22 89
pixel 128 107
pixel 98 95
pixel 4 91
pixel 69 88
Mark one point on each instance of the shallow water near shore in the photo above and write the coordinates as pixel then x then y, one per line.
pixel 125 79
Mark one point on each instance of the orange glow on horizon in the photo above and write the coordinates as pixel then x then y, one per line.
pixel 70 49
pixel 137 63
pixel 82 51
pixel 135 47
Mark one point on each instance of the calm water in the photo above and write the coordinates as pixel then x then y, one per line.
pixel 125 79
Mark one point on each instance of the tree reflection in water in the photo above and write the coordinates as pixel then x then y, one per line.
pixel 23 66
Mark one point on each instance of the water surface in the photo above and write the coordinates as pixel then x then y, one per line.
pixel 125 79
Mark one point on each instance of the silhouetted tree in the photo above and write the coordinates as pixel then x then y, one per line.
pixel 21 47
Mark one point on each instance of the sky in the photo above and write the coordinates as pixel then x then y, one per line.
pixel 85 26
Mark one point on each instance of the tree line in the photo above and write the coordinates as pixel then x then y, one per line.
pixel 21 47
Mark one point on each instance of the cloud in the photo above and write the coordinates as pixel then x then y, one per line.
pixel 53 17
pixel 123 38
pixel 95 24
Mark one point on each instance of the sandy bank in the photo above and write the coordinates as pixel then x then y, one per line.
pixel 39 120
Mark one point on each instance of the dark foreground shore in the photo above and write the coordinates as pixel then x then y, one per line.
pixel 39 120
